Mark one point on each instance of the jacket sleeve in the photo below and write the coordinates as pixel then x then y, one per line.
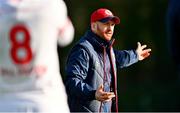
pixel 76 70
pixel 125 58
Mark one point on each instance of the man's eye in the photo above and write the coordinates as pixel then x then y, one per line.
pixel 112 24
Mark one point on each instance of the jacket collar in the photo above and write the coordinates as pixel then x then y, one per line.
pixel 97 41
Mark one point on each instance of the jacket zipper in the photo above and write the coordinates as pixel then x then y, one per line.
pixel 114 74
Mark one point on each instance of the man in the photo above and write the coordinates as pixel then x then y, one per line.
pixel 29 68
pixel 91 66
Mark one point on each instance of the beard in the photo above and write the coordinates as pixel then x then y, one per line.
pixel 107 34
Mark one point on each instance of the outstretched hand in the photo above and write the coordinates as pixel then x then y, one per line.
pixel 142 52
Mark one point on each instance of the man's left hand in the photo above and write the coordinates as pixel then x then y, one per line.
pixel 142 52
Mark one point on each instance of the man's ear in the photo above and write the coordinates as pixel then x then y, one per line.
pixel 93 26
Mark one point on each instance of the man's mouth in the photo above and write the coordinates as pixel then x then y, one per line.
pixel 109 33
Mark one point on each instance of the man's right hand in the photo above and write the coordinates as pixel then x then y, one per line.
pixel 100 95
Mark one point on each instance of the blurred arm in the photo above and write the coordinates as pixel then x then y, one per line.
pixel 66 33
pixel 64 24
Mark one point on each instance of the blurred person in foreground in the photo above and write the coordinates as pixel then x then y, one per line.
pixel 173 33
pixel 30 79
pixel 91 80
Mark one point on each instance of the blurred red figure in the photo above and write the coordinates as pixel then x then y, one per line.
pixel 29 69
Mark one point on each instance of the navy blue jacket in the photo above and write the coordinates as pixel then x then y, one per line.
pixel 92 62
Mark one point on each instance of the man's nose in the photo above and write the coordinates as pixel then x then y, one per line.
pixel 110 27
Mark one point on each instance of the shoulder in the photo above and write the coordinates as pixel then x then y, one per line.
pixel 84 43
pixel 78 54
pixel 81 47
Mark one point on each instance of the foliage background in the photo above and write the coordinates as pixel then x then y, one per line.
pixel 149 85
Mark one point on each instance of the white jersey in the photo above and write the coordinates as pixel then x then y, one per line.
pixel 29 66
